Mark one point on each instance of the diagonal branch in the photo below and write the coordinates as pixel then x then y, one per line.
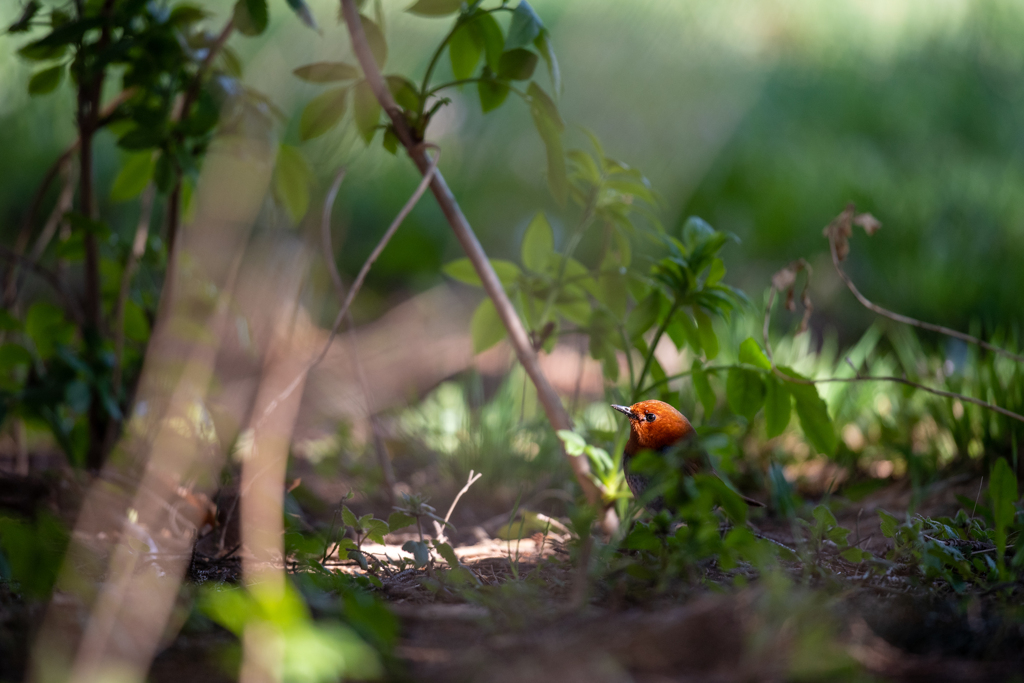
pixel 907 320
pixel 549 399
pixel 861 378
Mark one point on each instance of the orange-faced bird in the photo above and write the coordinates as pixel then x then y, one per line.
pixel 657 426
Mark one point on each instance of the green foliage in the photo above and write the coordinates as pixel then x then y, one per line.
pixel 312 651
pixel 475 35
pixel 174 94
pixel 31 552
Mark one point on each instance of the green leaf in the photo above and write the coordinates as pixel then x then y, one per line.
pixel 448 553
pixel 391 141
pixel 813 414
pixel 643 316
pixel 543 44
pixel 359 557
pixel 348 518
pixel 419 551
pixel 706 333
pixel 491 37
pixel 24 21
pixel 492 94
pixel 574 443
pixel 486 327
pixel 824 517
pixel 136 172
pixel 745 391
pixel 163 172
pixel 404 92
pixel 376 530
pixel 292 181
pixel 136 327
pixel 47 327
pixel 549 124
pixel 327 72
pixel 889 524
pixel 366 110
pixel 751 354
pixel 463 271
pixel 702 387
pixel 464 50
pixel 375 38
pixel 141 138
pixel 434 8
pixel 538 244
pixel 46 80
pixel 302 10
pixel 778 406
pixel 322 113
pixel 1002 490
pixel 250 17
pixel 525 27
pixel 715 272
pixel 400 520
pixel 517 65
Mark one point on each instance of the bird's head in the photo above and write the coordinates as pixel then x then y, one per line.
pixel 654 425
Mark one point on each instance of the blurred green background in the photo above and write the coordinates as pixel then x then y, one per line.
pixel 764 117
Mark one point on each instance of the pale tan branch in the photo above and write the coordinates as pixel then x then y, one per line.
pixel 549 399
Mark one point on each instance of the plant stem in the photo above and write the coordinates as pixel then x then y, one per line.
pixel 650 351
pixel 549 399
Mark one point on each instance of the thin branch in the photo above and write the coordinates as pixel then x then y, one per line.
pixel 654 343
pixel 549 399
pixel 956 334
pixel 354 289
pixel 375 254
pixel 861 378
pixel 439 528
pixel 339 288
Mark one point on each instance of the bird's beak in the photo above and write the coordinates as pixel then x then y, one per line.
pixel 624 410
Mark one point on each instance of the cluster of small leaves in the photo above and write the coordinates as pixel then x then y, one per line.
pixel 605 471
pixel 662 550
pixel 477 39
pixel 983 547
pixel 178 81
pixel 555 293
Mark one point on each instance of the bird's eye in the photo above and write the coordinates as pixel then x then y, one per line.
pixel 650 417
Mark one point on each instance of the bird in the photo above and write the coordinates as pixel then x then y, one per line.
pixel 657 426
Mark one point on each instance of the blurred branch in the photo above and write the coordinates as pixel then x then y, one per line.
pixel 357 284
pixel 549 399
pixel 378 438
pixel 174 198
pixel 839 230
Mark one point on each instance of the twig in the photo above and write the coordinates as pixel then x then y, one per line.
pixel 353 290
pixel 375 254
pixel 379 446
pixel 439 528
pixel 907 320
pixel 549 399
pixel 860 378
